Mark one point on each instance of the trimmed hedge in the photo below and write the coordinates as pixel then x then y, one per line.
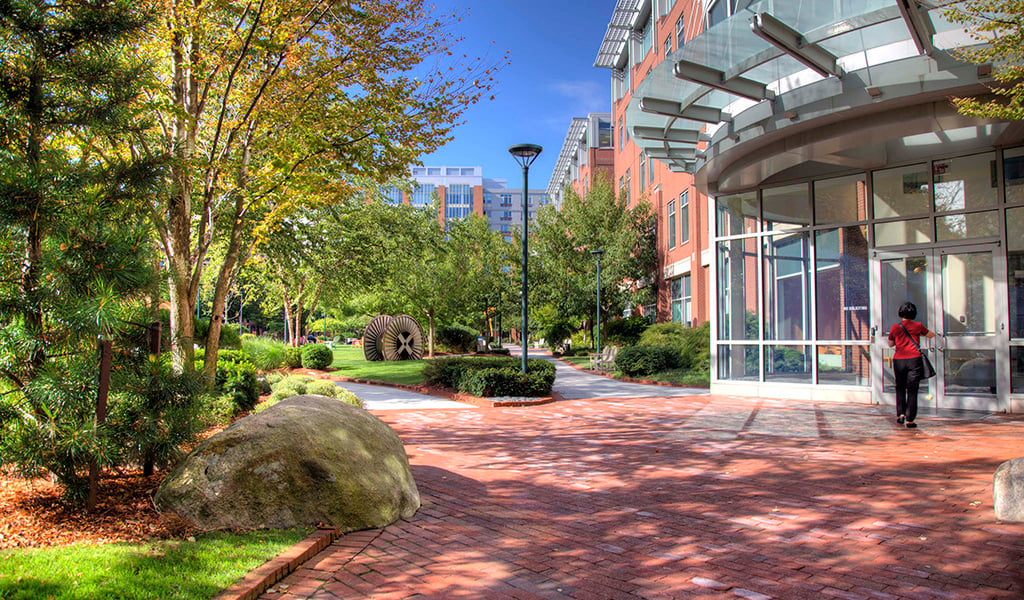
pixel 636 361
pixel 486 376
pixel 316 356
pixel 236 377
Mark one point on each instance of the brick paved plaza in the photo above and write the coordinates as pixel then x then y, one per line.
pixel 687 497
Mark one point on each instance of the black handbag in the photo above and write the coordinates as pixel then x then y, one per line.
pixel 929 370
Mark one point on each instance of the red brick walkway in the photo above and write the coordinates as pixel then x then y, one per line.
pixel 697 497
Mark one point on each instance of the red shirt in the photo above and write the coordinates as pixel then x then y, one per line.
pixel 904 348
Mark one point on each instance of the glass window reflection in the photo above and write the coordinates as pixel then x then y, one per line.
pixel 785 208
pixel 842 284
pixel 844 365
pixel 966 182
pixel 737 290
pixel 901 192
pixel 787 287
pixel 840 200
pixel 739 363
pixel 737 214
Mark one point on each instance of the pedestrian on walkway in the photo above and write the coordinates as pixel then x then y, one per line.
pixel 908 362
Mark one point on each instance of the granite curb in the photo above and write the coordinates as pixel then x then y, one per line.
pixel 261 578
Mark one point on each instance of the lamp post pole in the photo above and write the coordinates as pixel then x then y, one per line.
pixel 525 154
pixel 597 337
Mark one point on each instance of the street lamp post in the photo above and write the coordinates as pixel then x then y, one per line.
pixel 598 254
pixel 525 154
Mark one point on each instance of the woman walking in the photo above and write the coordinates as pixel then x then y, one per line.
pixel 907 362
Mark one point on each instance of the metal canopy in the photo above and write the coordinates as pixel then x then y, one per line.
pixel 616 38
pixel 808 59
pixel 792 42
pixel 577 129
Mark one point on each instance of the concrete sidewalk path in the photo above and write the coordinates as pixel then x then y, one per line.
pixel 576 384
pixel 687 497
pixel 381 397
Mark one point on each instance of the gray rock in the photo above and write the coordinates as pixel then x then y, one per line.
pixel 1008 490
pixel 307 460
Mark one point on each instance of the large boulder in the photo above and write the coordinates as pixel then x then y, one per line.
pixel 307 460
pixel 1008 490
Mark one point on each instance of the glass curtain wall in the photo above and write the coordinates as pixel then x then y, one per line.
pixel 793 271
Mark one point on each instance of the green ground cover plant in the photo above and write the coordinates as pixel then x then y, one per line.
pixel 491 376
pixel 166 569
pixel 349 361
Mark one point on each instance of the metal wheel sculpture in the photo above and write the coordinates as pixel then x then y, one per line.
pixel 372 337
pixel 403 339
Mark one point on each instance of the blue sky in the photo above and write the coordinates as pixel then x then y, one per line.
pixel 551 79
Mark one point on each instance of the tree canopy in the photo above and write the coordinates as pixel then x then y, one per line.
pixel 998 27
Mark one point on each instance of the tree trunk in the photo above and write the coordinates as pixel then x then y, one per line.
pixel 105 347
pixel 183 312
pixel 430 333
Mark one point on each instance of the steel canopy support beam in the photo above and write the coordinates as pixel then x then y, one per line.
pixel 673 153
pixel 793 43
pixel 686 136
pixel 669 108
pixel 920 26
pixel 739 86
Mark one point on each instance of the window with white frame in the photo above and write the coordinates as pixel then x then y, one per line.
pixel 628 185
pixel 643 167
pixel 668 43
pixel 684 217
pixel 681 303
pixel 671 223
pixel 459 201
pixel 647 37
pixel 680 30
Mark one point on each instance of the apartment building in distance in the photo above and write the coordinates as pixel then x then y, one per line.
pixel 462 191
pixel 827 179
pixel 587 154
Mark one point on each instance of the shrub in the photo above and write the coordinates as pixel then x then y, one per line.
pixel 275 377
pixel 500 350
pixel 644 360
pixel 229 337
pixel 625 331
pixel 292 357
pixel 238 380
pixel 457 338
pixel 451 372
pixel 322 387
pixel 316 356
pixel 295 382
pixel 506 382
pixel 350 398
pixel 264 352
pixel 692 343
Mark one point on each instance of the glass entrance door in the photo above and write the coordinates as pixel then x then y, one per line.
pixel 959 296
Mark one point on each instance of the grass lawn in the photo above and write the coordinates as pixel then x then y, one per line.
pixel 163 569
pixel 349 361
pixel 681 377
pixel 579 361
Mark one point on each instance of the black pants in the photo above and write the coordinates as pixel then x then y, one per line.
pixel 909 373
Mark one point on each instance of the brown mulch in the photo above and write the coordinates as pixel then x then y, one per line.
pixel 33 515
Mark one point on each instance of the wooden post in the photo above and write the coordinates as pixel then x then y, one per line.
pixel 105 347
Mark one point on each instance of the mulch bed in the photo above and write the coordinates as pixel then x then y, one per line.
pixel 32 514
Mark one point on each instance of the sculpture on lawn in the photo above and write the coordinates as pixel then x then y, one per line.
pixel 393 338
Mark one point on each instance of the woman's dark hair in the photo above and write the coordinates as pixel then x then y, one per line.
pixel 907 310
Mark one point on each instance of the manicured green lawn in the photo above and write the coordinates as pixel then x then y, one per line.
pixel 580 361
pixel 162 569
pixel 682 377
pixel 349 361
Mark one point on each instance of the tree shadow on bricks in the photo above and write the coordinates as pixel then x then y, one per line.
pixel 619 503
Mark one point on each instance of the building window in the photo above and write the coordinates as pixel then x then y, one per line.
pixel 680 30
pixel 392 195
pixel 684 217
pixel 671 223
pixel 643 167
pixel 668 43
pixel 718 12
pixel 648 37
pixel 681 300
pixel 628 185
pixel 459 203
pixel 604 134
pixel 423 194
pixel 506 215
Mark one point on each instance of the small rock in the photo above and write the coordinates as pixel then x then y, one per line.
pixel 1008 490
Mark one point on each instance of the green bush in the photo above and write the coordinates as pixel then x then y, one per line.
pixel 264 352
pixel 322 387
pixel 500 350
pixel 292 357
pixel 316 356
pixel 692 343
pixel 457 338
pixel 229 336
pixel 294 382
pixel 506 382
pixel 275 377
pixel 636 361
pixel 350 398
pixel 625 331
pixel 557 332
pixel 453 372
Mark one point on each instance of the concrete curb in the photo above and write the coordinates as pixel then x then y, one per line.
pixel 259 579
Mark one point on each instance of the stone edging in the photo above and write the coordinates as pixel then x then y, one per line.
pixel 261 578
pixel 628 379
